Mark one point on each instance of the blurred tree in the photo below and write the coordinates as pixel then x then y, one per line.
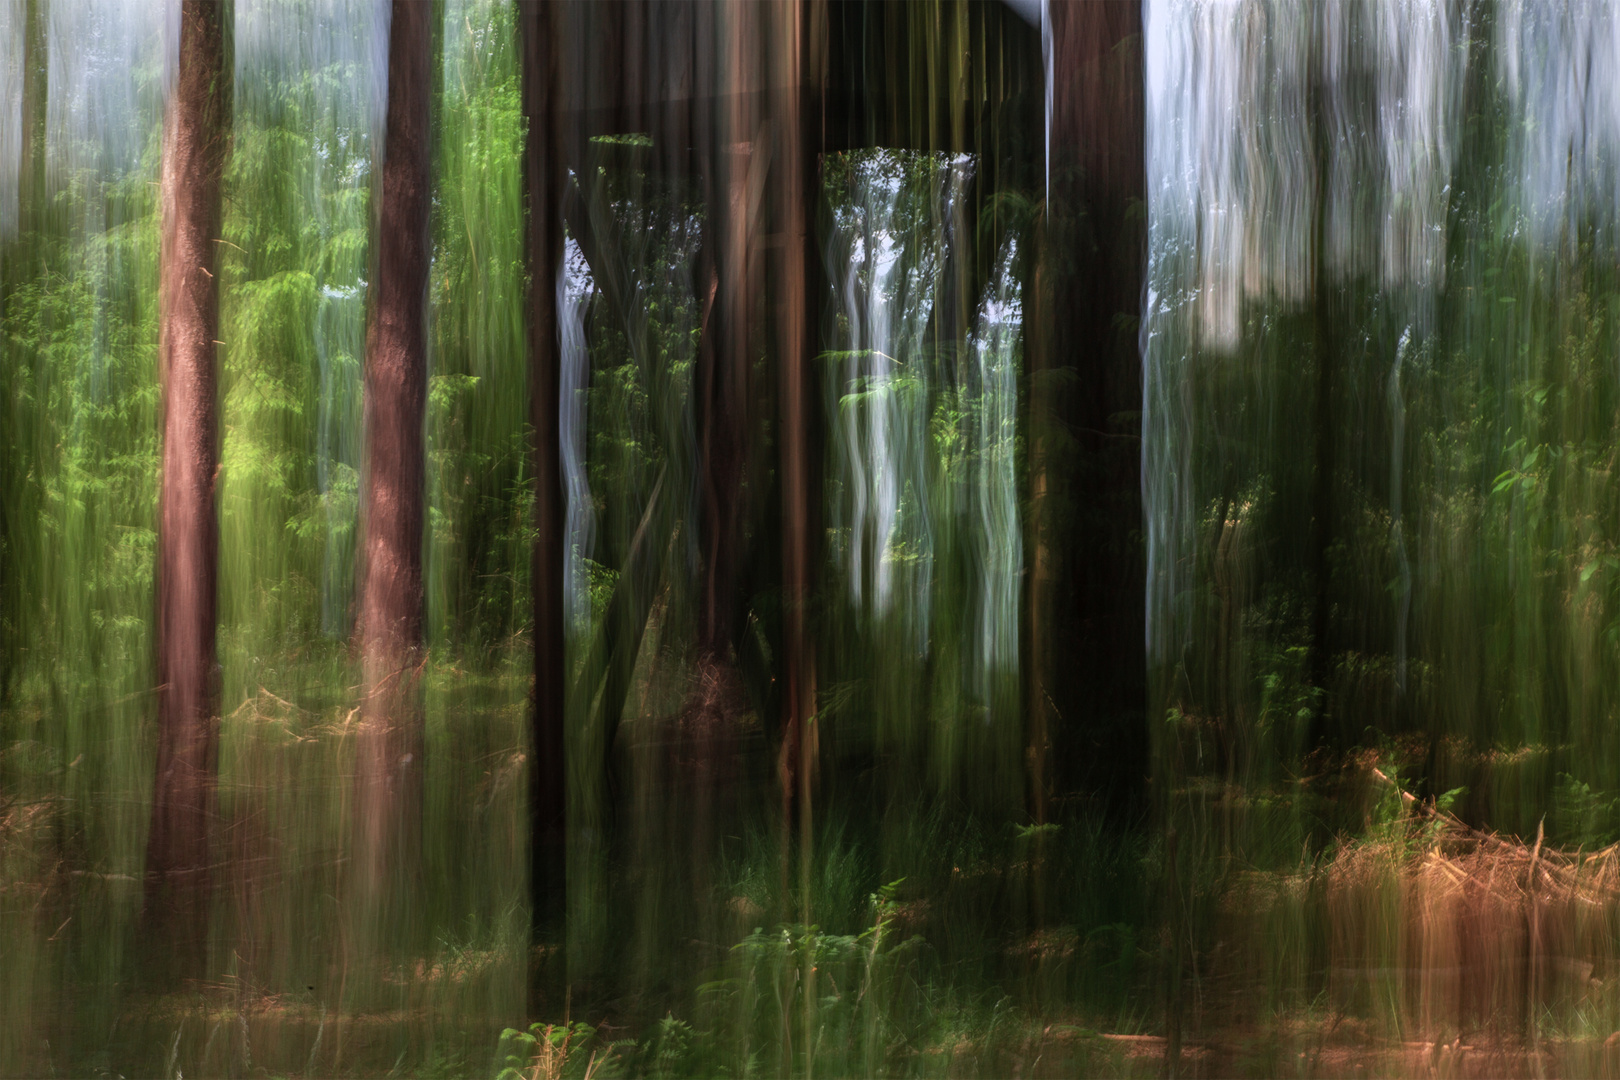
pixel 388 768
pixel 797 30
pixel 197 140
pixel 1325 295
pixel 19 504
pixel 543 181
pixel 1087 680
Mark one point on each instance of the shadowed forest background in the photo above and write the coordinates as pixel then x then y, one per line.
pixel 777 537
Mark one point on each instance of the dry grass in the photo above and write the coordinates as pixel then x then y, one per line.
pixel 1431 929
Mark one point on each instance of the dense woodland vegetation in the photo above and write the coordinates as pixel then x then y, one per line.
pixel 809 538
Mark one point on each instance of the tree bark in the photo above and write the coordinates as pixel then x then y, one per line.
pixel 795 175
pixel 736 162
pixel 388 767
pixel 548 808
pixel 1087 686
pixel 196 143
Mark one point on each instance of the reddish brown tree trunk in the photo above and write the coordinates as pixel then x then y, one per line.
pixel 792 38
pixel 547 796
pixel 388 767
pixel 735 159
pixel 737 162
pixel 196 142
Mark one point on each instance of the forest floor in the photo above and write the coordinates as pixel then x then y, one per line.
pixel 289 1042
pixel 1417 947
pixel 1342 1049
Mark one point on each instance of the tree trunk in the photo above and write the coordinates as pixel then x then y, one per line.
pixel 1042 580
pixel 795 174
pixel 736 160
pixel 548 806
pixel 1087 685
pixel 196 142
pixel 1324 350
pixel 388 766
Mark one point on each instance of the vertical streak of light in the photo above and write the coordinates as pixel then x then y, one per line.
pixel 574 289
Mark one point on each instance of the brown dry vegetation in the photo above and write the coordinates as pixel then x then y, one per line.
pixel 1425 948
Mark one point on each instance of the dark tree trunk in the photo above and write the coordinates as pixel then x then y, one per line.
pixel 388 766
pixel 196 142
pixel 1087 685
pixel 795 180
pixel 547 796
pixel 735 162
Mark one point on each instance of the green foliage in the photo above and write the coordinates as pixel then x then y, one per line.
pixel 561 1052
pixel 839 1001
pixel 1582 817
pixel 925 537
pixel 479 467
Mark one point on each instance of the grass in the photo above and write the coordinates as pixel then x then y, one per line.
pixel 941 942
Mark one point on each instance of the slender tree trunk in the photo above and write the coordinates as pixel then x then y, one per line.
pixel 1042 580
pixel 735 160
pixel 1325 349
pixel 31 169
pixel 547 795
pixel 738 159
pixel 388 766
pixel 196 142
pixel 795 173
